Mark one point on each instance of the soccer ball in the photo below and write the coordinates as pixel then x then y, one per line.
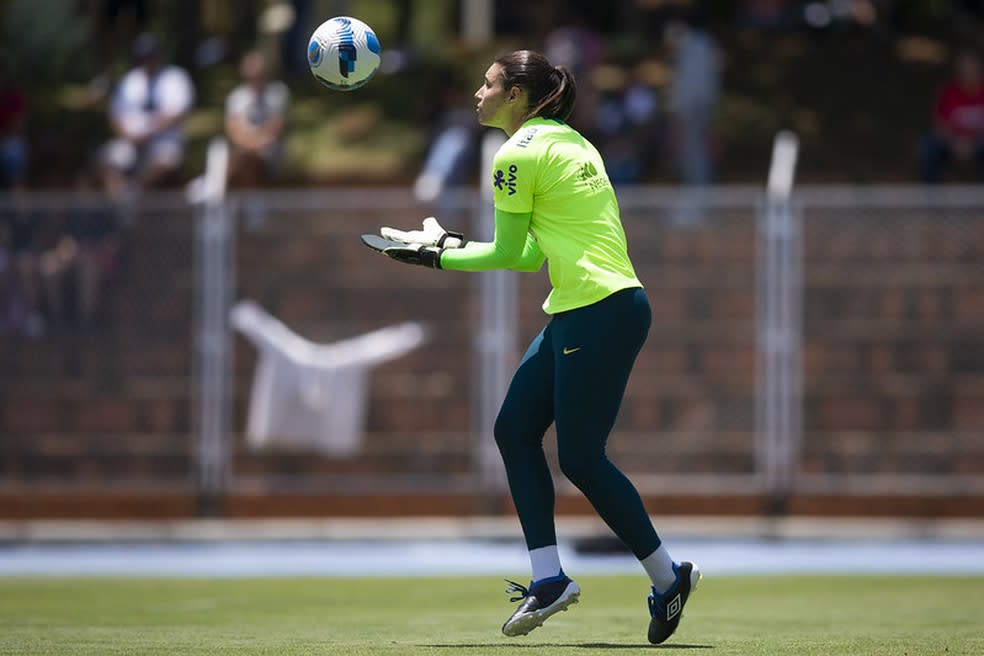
pixel 343 53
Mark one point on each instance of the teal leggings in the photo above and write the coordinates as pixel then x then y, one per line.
pixel 574 374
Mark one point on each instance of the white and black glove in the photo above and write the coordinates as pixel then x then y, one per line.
pixel 428 256
pixel 433 234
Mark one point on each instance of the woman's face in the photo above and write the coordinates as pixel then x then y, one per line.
pixel 496 104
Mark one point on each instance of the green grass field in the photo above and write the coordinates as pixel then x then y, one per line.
pixel 893 616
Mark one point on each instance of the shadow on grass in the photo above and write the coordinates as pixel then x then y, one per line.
pixel 579 645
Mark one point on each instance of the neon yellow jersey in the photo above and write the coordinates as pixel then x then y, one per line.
pixel 548 169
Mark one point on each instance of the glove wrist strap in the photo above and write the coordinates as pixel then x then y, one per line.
pixel 442 242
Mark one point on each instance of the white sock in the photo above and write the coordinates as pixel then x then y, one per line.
pixel 545 562
pixel 659 566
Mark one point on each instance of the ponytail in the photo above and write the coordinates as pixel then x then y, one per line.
pixel 551 89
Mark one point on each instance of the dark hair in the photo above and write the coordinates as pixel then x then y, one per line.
pixel 551 89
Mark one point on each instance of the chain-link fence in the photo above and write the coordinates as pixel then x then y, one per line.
pixel 892 348
pixel 893 340
pixel 689 407
pixel 95 355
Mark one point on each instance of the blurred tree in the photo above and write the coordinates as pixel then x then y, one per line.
pixel 45 42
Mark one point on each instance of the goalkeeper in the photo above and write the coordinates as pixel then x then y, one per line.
pixel 554 203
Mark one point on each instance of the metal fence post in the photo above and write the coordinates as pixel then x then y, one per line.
pixel 495 335
pixel 213 281
pixel 778 307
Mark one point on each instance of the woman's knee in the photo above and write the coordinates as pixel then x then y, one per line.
pixel 580 467
pixel 508 430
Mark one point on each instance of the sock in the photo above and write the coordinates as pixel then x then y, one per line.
pixel 659 566
pixel 545 562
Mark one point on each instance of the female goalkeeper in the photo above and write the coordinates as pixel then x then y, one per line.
pixel 554 202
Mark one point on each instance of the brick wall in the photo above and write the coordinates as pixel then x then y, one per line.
pixel 893 354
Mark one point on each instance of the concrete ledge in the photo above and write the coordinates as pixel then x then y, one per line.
pixel 463 528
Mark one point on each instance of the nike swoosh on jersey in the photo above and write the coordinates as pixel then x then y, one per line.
pixel 568 351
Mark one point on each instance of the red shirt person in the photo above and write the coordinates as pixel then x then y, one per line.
pixel 958 119
pixel 13 140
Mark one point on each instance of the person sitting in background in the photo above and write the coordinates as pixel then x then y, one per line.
pixel 958 115
pixel 83 257
pixel 21 232
pixel 255 118
pixel 146 112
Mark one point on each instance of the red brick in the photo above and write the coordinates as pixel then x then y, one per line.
pixel 668 305
pixel 732 304
pixel 969 304
pixel 161 416
pixel 881 359
pixel 663 359
pixel 892 305
pixel 827 358
pixel 645 413
pixel 929 306
pixel 32 416
pixel 717 361
pixel 302 304
pixel 968 412
pixel 694 415
pixel 851 414
pixel 905 414
pixel 106 415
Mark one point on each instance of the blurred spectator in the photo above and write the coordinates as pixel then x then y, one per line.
pixel 19 236
pixel 13 134
pixel 693 98
pixel 82 258
pixel 628 124
pixel 116 22
pixel 580 48
pixel 293 43
pixel 453 146
pixel 255 118
pixel 20 309
pixel 958 117
pixel 764 14
pixel 146 111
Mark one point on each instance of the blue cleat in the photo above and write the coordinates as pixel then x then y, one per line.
pixel 541 600
pixel 666 609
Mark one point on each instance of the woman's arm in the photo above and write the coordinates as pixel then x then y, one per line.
pixel 532 258
pixel 512 248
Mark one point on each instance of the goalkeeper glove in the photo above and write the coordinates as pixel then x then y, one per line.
pixel 433 234
pixel 428 256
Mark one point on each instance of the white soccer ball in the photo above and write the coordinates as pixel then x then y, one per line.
pixel 343 53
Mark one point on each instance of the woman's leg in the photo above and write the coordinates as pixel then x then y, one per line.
pixel 526 413
pixel 594 350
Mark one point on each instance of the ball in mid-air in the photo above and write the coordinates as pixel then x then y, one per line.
pixel 343 53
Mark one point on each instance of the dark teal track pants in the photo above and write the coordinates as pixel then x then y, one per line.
pixel 574 374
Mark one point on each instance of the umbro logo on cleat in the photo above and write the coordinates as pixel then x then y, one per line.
pixel 673 608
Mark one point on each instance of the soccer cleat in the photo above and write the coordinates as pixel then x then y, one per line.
pixel 538 602
pixel 666 609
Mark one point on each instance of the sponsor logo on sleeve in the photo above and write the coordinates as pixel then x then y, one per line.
pixel 503 180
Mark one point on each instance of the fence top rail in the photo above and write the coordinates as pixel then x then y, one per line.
pixel 657 197
pixel 890 196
